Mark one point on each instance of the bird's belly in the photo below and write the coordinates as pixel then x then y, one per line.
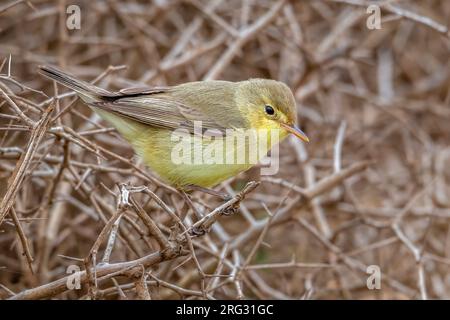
pixel 203 163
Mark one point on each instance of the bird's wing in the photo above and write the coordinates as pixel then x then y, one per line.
pixel 158 111
pixel 209 103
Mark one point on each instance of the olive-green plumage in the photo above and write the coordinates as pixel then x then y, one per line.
pixel 148 118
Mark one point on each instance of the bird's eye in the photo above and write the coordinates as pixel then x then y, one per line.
pixel 269 110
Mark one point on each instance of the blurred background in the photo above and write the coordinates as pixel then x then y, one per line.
pixel 370 189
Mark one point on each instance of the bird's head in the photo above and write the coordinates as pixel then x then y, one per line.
pixel 269 104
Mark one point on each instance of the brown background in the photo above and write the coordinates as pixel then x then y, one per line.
pixel 383 95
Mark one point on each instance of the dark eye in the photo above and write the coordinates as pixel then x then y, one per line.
pixel 269 110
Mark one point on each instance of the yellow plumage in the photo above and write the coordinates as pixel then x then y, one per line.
pixel 148 119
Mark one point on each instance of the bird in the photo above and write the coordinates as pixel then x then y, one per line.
pixel 148 118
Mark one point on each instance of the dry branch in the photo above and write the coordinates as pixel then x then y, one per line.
pixel 37 133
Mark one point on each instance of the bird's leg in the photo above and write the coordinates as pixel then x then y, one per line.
pixel 224 196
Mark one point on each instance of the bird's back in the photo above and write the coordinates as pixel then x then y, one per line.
pixel 202 101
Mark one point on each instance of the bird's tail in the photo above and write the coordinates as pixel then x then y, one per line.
pixel 87 91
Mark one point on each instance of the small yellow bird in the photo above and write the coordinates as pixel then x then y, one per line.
pixel 149 118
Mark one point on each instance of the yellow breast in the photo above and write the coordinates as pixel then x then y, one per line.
pixel 183 160
pixel 197 160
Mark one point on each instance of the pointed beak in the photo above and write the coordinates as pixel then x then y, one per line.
pixel 295 131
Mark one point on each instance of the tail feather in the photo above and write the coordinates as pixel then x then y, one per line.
pixel 87 91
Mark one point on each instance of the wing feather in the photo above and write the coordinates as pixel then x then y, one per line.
pixel 211 102
pixel 163 113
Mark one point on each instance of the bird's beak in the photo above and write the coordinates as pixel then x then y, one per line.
pixel 295 131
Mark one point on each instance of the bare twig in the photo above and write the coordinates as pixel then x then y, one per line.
pixel 16 179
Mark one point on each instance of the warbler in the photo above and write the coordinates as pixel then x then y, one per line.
pixel 148 119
